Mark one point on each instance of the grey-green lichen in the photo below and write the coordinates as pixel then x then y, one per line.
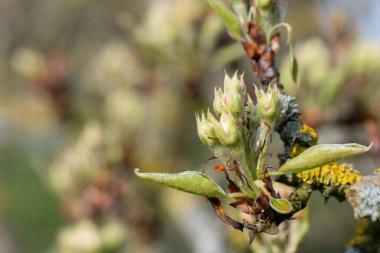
pixel 290 128
pixel 364 196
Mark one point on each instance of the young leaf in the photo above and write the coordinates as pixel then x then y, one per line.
pixel 282 206
pixel 293 64
pixel 188 181
pixel 230 20
pixel 289 41
pixel 320 155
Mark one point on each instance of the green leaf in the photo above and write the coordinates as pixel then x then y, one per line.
pixel 282 206
pixel 188 181
pixel 289 41
pixel 240 8
pixel 230 20
pixel 293 63
pixel 320 155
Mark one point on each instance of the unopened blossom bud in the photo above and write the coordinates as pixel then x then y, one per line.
pixel 268 104
pixel 250 106
pixel 252 112
pixel 218 101
pixel 226 82
pixel 235 94
pixel 206 131
pixel 227 129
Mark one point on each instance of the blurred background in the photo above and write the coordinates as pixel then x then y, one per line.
pixel 91 89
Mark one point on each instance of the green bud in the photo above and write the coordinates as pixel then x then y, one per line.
pixel 227 129
pixel 235 94
pixel 268 104
pixel 206 131
pixel 218 101
pixel 252 112
pixel 226 82
pixel 250 105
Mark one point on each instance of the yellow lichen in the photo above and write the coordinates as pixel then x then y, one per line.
pixel 306 130
pixel 298 148
pixel 330 175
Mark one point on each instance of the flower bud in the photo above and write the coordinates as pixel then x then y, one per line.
pixel 226 82
pixel 218 101
pixel 268 104
pixel 250 105
pixel 252 112
pixel 235 94
pixel 206 131
pixel 227 129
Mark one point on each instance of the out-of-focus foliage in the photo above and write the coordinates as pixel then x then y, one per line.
pixel 89 90
pixel 117 94
pixel 334 80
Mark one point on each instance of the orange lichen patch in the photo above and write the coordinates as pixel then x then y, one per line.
pixel 330 175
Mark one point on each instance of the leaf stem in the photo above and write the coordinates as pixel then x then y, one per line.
pixel 264 137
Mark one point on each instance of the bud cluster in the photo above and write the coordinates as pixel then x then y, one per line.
pixel 228 106
pixel 238 133
pixel 231 105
